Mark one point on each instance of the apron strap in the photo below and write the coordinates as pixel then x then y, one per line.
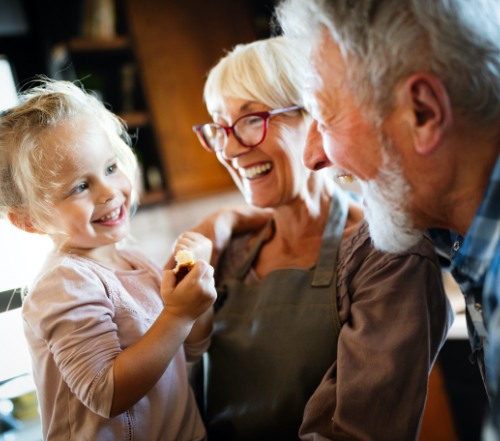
pixel 325 271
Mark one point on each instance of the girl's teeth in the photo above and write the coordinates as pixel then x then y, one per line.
pixel 253 172
pixel 113 215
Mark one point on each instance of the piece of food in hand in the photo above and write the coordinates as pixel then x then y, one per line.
pixel 185 261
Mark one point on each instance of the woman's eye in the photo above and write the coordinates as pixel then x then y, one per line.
pixel 253 120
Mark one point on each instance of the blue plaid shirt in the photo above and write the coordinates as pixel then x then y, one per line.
pixel 475 264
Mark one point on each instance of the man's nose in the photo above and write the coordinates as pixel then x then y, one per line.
pixel 314 156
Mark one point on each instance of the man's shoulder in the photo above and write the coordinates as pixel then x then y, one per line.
pixel 361 244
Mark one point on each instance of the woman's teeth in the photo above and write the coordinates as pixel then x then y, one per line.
pixel 111 216
pixel 256 171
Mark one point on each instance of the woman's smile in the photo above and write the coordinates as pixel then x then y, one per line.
pixel 255 171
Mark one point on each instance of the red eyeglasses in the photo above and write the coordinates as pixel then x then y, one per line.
pixel 250 130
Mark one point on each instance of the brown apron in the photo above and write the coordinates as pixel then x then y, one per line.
pixel 272 343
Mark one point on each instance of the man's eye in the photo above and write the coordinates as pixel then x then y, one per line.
pixel 321 127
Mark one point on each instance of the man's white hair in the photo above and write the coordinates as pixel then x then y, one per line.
pixel 384 41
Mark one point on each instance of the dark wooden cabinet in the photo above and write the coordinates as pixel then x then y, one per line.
pixel 176 43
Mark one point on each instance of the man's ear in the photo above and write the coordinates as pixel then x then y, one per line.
pixel 431 111
pixel 21 220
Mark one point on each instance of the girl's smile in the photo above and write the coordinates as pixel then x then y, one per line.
pixel 113 218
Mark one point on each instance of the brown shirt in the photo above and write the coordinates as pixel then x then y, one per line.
pixel 395 316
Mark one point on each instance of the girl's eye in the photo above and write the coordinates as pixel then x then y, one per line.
pixel 112 168
pixel 80 188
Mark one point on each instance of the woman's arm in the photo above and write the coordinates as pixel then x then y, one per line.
pixel 220 225
pixel 202 328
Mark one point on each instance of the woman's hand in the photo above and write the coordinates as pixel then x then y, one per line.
pixel 220 225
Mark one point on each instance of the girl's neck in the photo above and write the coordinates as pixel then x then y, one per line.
pixel 108 255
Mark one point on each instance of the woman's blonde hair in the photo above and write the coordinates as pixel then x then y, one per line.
pixel 270 71
pixel 26 184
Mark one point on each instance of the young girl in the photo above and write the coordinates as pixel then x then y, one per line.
pixel 107 332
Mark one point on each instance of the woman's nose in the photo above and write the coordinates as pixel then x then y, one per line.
pixel 314 156
pixel 233 148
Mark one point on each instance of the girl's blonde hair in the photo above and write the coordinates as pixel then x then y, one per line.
pixel 26 183
pixel 270 71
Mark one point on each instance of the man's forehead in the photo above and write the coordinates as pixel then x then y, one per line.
pixel 314 78
pixel 312 88
pixel 322 75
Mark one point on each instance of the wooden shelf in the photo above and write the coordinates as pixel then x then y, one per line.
pixel 119 43
pixel 135 119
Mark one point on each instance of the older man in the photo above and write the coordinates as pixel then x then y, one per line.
pixel 406 97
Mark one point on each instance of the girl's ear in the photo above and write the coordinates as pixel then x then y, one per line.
pixel 21 220
pixel 431 110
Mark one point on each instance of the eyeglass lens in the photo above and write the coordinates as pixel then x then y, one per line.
pixel 248 130
pixel 214 136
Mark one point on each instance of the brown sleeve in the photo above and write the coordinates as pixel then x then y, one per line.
pixel 395 317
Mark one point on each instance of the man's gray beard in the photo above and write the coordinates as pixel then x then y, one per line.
pixel 391 228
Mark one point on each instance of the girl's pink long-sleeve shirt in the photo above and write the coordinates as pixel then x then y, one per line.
pixel 78 316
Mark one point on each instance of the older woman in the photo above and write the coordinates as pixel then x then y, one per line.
pixel 314 328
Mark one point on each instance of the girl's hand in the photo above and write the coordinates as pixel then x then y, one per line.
pixel 138 367
pixel 199 245
pixel 193 295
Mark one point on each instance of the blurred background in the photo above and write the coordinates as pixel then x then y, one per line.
pixel 148 61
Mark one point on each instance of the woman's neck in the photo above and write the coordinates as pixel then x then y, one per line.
pixel 297 235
